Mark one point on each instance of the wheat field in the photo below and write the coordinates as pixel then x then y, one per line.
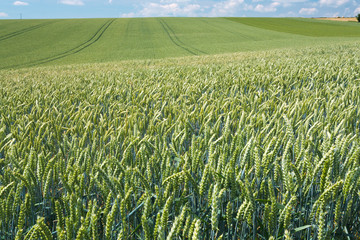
pixel 259 145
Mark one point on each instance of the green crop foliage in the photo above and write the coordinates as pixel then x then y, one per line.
pixel 256 145
pixel 303 26
pixel 29 43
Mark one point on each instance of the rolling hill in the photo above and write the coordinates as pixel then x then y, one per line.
pixel 26 43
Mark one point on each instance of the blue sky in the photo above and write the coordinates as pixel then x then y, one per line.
pixel 11 9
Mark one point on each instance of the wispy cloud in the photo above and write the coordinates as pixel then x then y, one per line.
pixel 110 1
pixel 267 8
pixel 72 2
pixel 333 3
pixel 225 8
pixel 166 10
pixel 357 11
pixel 288 3
pixel 308 11
pixel 2 14
pixel 20 3
pixel 174 1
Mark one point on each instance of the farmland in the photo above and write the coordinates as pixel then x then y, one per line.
pixel 306 27
pixel 27 43
pixel 179 143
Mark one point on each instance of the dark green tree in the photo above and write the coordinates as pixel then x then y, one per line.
pixel 358 17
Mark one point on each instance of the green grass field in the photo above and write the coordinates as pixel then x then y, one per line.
pixel 155 129
pixel 306 27
pixel 26 43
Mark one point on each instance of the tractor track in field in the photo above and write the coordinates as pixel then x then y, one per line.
pixel 97 35
pixel 172 36
pixel 24 30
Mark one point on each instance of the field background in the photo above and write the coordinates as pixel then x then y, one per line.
pixel 26 43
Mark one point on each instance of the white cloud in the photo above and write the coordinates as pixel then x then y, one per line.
pixel 72 2
pixel 20 3
pixel 2 14
pixel 288 3
pixel 110 1
pixel 268 8
pixel 174 1
pixel 129 15
pixel 290 14
pixel 333 3
pixel 357 11
pixel 225 8
pixel 247 7
pixel 308 11
pixel 166 10
pixel 275 4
